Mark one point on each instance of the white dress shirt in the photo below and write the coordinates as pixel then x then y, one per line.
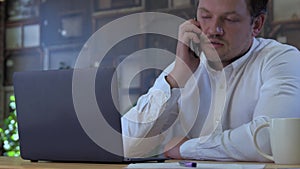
pixel 218 110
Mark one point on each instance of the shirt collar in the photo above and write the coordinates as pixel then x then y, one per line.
pixel 237 64
pixel 234 65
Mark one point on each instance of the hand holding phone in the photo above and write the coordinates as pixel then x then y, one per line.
pixel 196 46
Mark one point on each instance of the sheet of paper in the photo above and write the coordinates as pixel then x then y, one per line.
pixel 199 165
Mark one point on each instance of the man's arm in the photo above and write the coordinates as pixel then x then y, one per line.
pixel 230 145
pixel 186 61
pixel 142 125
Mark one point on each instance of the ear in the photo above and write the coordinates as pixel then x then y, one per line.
pixel 258 24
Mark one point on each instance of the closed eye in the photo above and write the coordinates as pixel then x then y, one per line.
pixel 206 17
pixel 231 19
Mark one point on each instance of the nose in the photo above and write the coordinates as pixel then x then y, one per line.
pixel 215 29
pixel 219 30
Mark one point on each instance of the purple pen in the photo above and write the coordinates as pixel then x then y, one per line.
pixel 187 164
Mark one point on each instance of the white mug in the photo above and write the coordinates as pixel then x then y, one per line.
pixel 284 138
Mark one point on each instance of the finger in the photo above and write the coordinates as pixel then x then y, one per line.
pixel 189 36
pixel 196 23
pixel 193 22
pixel 190 26
pixel 188 32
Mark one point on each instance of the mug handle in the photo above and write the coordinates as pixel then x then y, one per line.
pixel 256 144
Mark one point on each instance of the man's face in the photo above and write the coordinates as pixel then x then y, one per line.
pixel 227 25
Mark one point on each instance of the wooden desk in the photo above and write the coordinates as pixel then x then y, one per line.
pixel 18 163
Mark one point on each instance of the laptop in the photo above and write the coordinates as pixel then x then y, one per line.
pixel 51 130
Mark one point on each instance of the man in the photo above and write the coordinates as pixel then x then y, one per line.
pixel 208 107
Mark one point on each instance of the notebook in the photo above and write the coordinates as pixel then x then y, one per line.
pixel 49 127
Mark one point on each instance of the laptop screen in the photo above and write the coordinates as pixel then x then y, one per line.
pixel 51 129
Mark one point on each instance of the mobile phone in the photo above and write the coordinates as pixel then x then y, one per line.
pixel 196 46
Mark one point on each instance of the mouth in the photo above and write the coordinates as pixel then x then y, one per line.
pixel 216 43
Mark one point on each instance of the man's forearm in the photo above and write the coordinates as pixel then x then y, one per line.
pixel 230 145
pixel 149 118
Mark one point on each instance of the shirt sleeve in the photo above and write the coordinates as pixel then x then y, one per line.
pixel 229 145
pixel 279 97
pixel 142 125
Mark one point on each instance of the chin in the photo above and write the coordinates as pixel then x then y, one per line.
pixel 212 54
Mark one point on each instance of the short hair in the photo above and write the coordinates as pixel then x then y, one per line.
pixel 255 7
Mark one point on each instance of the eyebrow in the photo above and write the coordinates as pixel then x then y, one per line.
pixel 226 13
